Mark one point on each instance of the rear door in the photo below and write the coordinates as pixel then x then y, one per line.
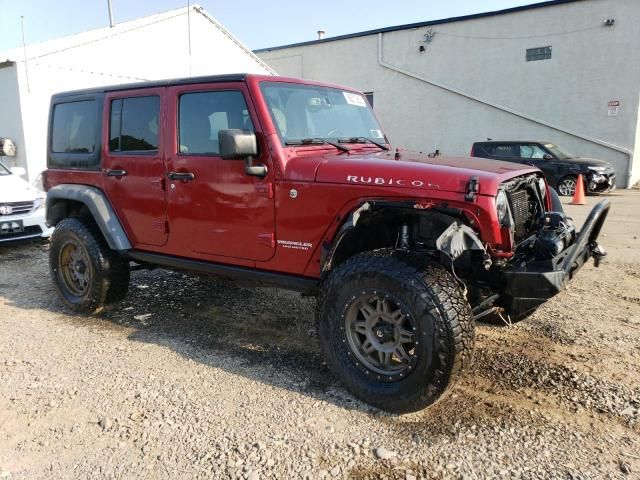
pixel 220 210
pixel 509 152
pixel 133 163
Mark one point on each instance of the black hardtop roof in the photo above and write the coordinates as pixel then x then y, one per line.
pixel 231 77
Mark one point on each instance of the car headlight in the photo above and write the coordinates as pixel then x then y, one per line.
pixel 542 185
pixel 597 169
pixel 502 208
pixel 38 203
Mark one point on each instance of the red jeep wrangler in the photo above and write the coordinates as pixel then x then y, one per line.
pixel 291 183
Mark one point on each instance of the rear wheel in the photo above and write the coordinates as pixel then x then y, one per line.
pixel 396 329
pixel 86 273
pixel 567 185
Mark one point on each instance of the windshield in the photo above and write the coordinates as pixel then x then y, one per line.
pixel 302 112
pixel 558 152
pixel 4 170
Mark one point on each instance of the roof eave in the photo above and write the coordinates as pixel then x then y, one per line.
pixel 428 23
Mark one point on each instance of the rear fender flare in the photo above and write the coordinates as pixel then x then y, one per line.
pixel 98 205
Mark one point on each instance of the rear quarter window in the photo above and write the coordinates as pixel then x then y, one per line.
pixel 74 127
pixel 74 135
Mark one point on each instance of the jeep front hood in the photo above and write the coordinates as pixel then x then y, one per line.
pixel 418 171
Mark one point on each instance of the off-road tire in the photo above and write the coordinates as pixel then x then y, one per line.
pixel 440 311
pixel 556 203
pixel 108 272
pixel 120 276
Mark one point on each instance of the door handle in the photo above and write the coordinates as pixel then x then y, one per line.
pixel 184 176
pixel 115 173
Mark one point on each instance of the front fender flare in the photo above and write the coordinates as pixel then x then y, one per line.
pixel 98 205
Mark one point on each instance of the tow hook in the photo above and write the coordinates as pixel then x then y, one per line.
pixel 598 253
pixel 486 261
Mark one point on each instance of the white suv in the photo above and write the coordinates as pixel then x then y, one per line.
pixel 22 208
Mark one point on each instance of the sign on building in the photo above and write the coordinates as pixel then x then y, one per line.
pixel 614 108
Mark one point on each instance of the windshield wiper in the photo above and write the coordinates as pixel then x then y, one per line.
pixel 382 146
pixel 317 141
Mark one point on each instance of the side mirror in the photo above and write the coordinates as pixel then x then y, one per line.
pixel 236 144
pixel 547 156
pixel 20 171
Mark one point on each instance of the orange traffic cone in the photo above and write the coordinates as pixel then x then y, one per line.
pixel 578 195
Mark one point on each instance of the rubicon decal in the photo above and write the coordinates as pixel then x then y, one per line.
pixel 395 182
pixel 295 244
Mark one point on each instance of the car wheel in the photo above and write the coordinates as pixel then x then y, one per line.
pixel 86 272
pixel 396 329
pixel 567 186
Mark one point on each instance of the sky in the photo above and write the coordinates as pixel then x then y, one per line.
pixel 256 23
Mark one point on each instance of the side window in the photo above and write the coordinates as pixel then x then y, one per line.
pixel 531 151
pixel 369 97
pixel 133 126
pixel 486 149
pixel 74 127
pixel 203 114
pixel 506 150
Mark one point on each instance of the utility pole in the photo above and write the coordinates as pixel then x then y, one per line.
pixel 24 52
pixel 111 24
pixel 189 32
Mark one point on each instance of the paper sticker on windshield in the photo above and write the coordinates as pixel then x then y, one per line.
pixel 375 133
pixel 354 99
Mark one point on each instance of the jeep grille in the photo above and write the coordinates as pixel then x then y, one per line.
pixel 522 208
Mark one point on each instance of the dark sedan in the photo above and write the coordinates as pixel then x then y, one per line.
pixel 560 168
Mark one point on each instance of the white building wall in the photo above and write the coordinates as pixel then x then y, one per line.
pixel 10 114
pixel 473 82
pixel 135 51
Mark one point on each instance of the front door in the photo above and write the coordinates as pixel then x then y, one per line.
pixel 214 207
pixel 533 154
pixel 133 163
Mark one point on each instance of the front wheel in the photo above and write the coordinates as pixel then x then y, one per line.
pixel 567 185
pixel 396 329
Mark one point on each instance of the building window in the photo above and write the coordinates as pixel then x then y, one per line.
pixel 369 96
pixel 134 124
pixel 540 53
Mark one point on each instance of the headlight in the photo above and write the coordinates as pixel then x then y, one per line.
pixel 502 208
pixel 38 204
pixel 542 185
pixel 597 169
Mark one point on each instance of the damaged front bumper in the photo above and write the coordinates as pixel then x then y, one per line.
pixel 527 285
pixel 600 182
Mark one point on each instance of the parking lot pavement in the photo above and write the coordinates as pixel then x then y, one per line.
pixel 621 233
pixel 199 378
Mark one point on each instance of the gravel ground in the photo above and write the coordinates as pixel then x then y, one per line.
pixel 199 378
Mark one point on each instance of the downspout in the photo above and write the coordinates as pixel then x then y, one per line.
pixel 455 91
